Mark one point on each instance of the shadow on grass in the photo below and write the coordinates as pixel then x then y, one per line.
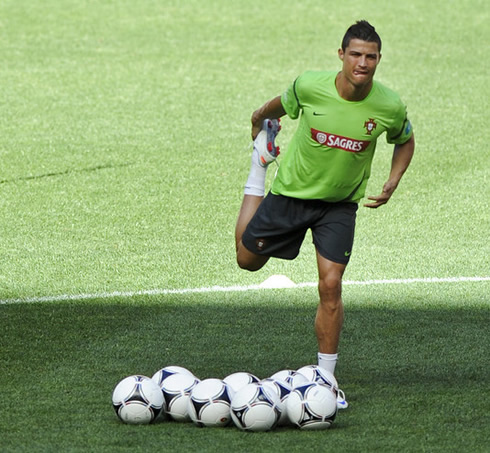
pixel 410 372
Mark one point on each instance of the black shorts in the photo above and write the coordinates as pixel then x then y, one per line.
pixel 279 226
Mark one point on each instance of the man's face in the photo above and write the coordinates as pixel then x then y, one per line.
pixel 360 60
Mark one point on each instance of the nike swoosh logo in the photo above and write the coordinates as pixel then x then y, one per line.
pixel 318 114
pixel 347 253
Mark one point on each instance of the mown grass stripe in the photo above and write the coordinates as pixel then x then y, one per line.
pixel 236 288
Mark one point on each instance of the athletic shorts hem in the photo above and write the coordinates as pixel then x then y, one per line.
pixel 329 257
pixel 280 224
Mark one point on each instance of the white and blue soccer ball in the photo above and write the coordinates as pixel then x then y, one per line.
pixel 240 379
pixel 318 374
pixel 282 390
pixel 167 371
pixel 291 377
pixel 137 399
pixel 176 390
pixel 209 403
pixel 312 406
pixel 256 407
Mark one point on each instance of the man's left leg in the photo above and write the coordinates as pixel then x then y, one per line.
pixel 330 316
pixel 330 312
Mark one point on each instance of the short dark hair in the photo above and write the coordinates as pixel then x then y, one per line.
pixel 362 30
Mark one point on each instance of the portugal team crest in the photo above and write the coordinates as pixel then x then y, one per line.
pixel 370 125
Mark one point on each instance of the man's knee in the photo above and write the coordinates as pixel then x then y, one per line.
pixel 248 260
pixel 252 267
pixel 330 288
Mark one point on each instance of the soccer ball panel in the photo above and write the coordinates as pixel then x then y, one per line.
pixel 256 407
pixel 240 379
pixel 316 373
pixel 167 371
pixel 261 417
pixel 209 403
pixel 291 377
pixel 176 390
pixel 137 399
pixel 135 413
pixel 312 406
pixel 282 389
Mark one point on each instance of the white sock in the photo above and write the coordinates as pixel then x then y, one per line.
pixel 327 361
pixel 255 184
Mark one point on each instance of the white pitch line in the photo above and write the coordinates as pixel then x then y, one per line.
pixel 217 289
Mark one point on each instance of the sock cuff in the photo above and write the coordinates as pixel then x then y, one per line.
pixel 327 361
pixel 258 191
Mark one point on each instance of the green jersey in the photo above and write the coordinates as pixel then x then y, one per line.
pixel 329 157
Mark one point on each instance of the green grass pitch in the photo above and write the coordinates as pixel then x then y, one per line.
pixel 124 147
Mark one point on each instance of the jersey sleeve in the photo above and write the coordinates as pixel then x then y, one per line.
pixel 401 130
pixel 290 101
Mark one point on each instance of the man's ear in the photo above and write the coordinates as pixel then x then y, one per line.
pixel 341 54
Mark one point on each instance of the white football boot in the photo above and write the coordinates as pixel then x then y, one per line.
pixel 341 401
pixel 264 142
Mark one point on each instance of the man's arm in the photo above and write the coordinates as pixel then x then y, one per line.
pixel 272 109
pixel 402 155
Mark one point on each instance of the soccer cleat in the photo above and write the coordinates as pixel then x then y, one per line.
pixel 264 142
pixel 341 401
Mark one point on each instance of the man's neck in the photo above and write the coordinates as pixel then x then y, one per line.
pixel 350 92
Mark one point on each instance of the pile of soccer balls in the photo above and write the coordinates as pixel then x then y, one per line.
pixel 306 398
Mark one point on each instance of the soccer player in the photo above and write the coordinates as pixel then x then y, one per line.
pixel 324 173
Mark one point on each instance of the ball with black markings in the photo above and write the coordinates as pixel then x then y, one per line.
pixel 256 407
pixel 240 379
pixel 209 403
pixel 137 399
pixel 312 406
pixel 167 371
pixel 176 390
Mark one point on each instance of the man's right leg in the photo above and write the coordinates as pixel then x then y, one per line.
pixel 265 151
